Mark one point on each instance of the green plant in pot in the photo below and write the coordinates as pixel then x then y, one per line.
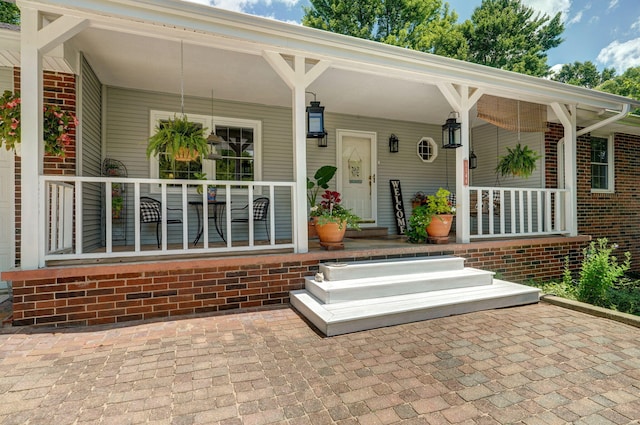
pixel 179 138
pixel 117 203
pixel 332 219
pixel 437 207
pixel 322 178
pixel 518 162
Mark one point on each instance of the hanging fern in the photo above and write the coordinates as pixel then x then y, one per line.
pixel 518 162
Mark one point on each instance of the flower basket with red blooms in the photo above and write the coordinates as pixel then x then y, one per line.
pixel 56 126
pixel 330 211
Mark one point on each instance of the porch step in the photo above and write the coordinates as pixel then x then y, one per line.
pixel 367 232
pixel 385 286
pixel 371 294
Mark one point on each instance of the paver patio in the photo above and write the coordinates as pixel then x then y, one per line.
pixel 539 364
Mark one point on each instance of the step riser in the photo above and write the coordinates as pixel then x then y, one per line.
pixel 328 295
pixel 366 269
pixel 333 329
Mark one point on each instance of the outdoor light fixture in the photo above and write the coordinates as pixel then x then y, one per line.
pixel 393 143
pixel 213 138
pixel 315 122
pixel 451 131
pixel 473 161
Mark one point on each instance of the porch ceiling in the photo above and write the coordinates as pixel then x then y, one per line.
pixel 153 64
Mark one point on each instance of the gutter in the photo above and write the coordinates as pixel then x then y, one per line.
pixel 625 111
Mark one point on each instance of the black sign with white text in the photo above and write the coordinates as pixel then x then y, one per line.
pixel 398 206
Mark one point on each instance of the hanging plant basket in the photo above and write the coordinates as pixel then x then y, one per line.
pixel 518 162
pixel 186 155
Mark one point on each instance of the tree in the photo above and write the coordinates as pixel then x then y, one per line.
pixel 583 74
pixel 627 84
pixel 9 13
pixel 507 34
pixel 425 25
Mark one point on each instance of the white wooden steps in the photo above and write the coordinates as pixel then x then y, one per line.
pixel 370 294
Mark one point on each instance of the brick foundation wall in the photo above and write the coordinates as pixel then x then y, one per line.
pixel 615 216
pixel 58 89
pixel 78 296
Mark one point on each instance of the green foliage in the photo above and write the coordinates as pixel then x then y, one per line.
pixel 425 25
pixel 583 74
pixel 518 162
pixel 422 215
pixel 600 271
pixel 322 178
pixel 625 297
pixel 175 134
pixel 9 13
pixel 627 84
pixel 507 34
pixel 330 211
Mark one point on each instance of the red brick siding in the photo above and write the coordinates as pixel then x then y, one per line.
pixel 136 292
pixel 615 216
pixel 58 89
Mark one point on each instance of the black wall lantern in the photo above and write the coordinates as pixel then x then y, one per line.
pixel 393 143
pixel 315 122
pixel 451 132
pixel 473 161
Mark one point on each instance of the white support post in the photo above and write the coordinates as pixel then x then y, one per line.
pixel 567 116
pixel 462 99
pixel 298 78
pixel 34 42
pixel 32 218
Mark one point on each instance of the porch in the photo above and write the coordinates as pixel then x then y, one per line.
pixel 82 225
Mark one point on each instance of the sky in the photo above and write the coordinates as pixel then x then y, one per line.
pixel 605 32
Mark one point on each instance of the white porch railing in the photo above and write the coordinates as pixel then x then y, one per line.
pixel 79 222
pixel 516 212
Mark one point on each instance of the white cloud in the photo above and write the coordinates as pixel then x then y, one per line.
pixel 621 55
pixel 576 18
pixel 636 25
pixel 555 69
pixel 550 7
pixel 613 4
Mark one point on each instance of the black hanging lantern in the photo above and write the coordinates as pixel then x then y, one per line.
pixel 473 161
pixel 451 132
pixel 393 143
pixel 315 122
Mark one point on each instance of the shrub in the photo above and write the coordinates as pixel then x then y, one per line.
pixel 600 271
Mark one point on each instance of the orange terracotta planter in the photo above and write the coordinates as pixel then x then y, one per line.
pixel 331 232
pixel 440 225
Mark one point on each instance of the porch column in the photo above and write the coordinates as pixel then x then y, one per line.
pixel 35 42
pixel 567 116
pixel 298 78
pixel 462 99
pixel 32 222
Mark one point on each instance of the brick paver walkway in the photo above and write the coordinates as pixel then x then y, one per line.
pixel 538 364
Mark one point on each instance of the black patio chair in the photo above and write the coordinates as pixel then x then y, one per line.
pixel 260 213
pixel 151 212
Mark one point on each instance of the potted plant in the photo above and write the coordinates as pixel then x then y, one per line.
pixel 433 218
pixel 322 177
pixel 418 199
pixel 518 162
pixel 56 125
pixel 332 219
pixel 116 206
pixel 181 139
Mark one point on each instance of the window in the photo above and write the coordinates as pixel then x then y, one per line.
pixel 601 164
pixel 237 157
pixel 427 149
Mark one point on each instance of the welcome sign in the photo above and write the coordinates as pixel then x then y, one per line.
pixel 398 206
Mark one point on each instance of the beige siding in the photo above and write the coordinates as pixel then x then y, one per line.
pixel 6 79
pixel 91 120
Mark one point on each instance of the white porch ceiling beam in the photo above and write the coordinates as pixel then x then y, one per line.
pixel 59 31
pixel 298 78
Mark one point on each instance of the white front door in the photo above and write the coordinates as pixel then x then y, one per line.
pixel 7 235
pixel 356 177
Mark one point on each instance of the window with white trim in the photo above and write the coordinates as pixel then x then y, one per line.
pixel 236 158
pixel 602 176
pixel 427 149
